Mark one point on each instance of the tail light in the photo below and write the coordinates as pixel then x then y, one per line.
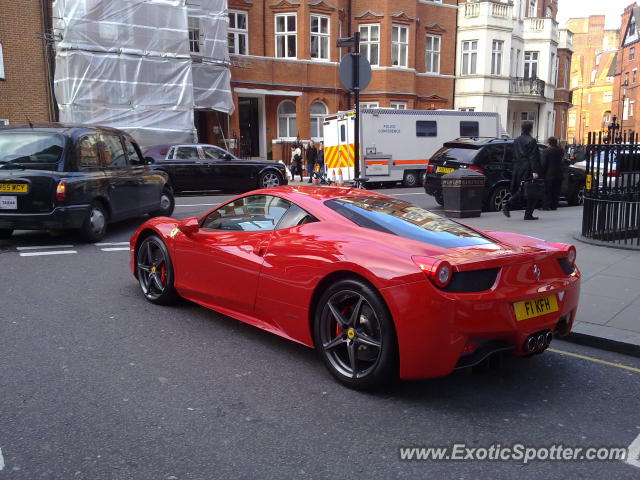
pixel 61 192
pixel 476 168
pixel 430 168
pixel 439 272
pixel 571 254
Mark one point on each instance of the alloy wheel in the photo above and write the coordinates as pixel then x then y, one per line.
pixel 499 198
pixel 152 269
pixel 270 179
pixel 97 221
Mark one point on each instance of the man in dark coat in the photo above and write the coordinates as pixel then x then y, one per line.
pixel 526 165
pixel 312 158
pixel 552 158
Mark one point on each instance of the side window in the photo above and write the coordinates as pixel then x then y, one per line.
pixel 294 217
pixel 495 153
pixel 185 153
pixel 248 214
pixel 426 128
pixel 508 154
pixel 343 133
pixel 211 153
pixel 112 152
pixel 469 129
pixel 88 153
pixel 132 153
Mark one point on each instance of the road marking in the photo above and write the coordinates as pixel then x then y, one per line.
pixel 633 453
pixel 114 249
pixel 109 244
pixel 199 205
pixel 56 252
pixel 42 247
pixel 597 360
pixel 1 460
pixel 405 194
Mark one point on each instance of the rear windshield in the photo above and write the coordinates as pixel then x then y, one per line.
pixel 25 148
pixel 406 220
pixel 457 154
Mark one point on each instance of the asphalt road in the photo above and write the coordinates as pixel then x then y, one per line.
pixel 97 383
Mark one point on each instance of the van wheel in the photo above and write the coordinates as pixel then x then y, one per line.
pixel 499 195
pixel 411 179
pixel 5 232
pixel 94 226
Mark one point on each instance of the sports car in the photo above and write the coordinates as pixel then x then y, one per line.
pixel 380 287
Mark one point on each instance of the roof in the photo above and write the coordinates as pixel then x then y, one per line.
pixel 70 130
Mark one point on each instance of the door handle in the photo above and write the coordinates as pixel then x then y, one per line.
pixel 260 249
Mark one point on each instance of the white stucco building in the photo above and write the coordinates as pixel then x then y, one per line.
pixel 507 61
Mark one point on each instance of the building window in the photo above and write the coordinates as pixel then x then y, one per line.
pixel 468 109
pixel 496 57
pixel 607 96
pixel 606 118
pixel 432 59
pixel 588 99
pixel 632 107
pixel 552 65
pixel 398 105
pixel 318 112
pixel 469 57
pixel 320 37
pixel 632 53
pixel 399 45
pixel 634 75
pixel 625 109
pixel 370 43
pixel 238 33
pixel 530 64
pixel 532 8
pixel 194 34
pixel 626 79
pixel 572 119
pixel 369 105
pixel 1 63
pixel 286 35
pixel 287 120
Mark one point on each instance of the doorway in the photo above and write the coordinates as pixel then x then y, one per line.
pixel 249 127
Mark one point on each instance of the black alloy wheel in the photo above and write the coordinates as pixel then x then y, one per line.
pixel 155 271
pixel 499 195
pixel 355 336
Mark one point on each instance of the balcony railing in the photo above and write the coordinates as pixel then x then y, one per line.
pixel 527 86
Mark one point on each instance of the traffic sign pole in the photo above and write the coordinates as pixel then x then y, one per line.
pixel 356 91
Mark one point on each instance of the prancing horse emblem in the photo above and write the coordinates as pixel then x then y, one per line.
pixel 536 272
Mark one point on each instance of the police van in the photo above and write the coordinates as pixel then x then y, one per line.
pixel 396 145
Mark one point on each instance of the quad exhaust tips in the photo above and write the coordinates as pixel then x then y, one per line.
pixel 538 341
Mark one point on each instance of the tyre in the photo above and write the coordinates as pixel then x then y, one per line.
pixel 355 336
pixel 577 196
pixel 499 195
pixel 411 179
pixel 5 233
pixel 94 227
pixel 423 177
pixel 439 197
pixel 167 204
pixel 155 271
pixel 269 179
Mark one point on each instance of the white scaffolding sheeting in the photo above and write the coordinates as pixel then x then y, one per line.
pixel 127 64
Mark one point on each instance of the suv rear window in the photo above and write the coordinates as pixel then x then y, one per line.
pixel 23 148
pixel 457 154
pixel 406 220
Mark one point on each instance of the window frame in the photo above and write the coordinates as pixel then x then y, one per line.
pixel 399 44
pixel 469 57
pixel 399 105
pixel 2 73
pixel 320 35
pixel 496 57
pixel 286 34
pixel 531 63
pixel 319 118
pixel 369 105
pixel 238 32
pixel 431 55
pixel 289 117
pixel 194 34
pixel 365 46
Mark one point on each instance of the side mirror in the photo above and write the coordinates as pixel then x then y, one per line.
pixel 149 160
pixel 189 226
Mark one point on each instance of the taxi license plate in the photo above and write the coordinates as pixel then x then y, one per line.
pixel 535 307
pixel 8 202
pixel 444 170
pixel 14 188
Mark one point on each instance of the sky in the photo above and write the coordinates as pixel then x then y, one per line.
pixel 583 8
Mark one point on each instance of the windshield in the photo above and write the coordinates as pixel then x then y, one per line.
pixel 23 148
pixel 462 155
pixel 406 220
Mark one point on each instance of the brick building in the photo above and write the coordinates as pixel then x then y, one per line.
pixel 25 82
pixel 591 77
pixel 626 79
pixel 285 74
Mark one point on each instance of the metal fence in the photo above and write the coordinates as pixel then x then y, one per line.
pixel 611 214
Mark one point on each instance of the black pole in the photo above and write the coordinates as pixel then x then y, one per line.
pixel 356 91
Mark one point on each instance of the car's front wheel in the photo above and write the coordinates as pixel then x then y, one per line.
pixel 6 233
pixel 269 179
pixel 154 270
pixel 355 335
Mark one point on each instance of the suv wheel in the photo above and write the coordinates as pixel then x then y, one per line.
pixel 499 195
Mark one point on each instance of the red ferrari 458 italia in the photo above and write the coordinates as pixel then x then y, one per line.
pixel 380 287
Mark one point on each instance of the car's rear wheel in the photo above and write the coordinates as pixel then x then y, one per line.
pixel 155 271
pixel 269 179
pixel 167 204
pixel 411 179
pixel 577 196
pixel 94 227
pixel 5 233
pixel 439 197
pixel 355 335
pixel 499 195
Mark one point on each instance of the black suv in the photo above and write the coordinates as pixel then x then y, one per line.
pixel 72 177
pixel 492 157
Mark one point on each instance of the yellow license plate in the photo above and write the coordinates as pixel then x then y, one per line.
pixel 444 170
pixel 535 307
pixel 14 188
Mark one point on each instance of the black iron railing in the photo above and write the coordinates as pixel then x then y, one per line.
pixel 611 212
pixel 527 86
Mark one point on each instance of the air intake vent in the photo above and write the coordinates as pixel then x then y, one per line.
pixel 472 281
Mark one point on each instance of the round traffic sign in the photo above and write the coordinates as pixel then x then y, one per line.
pixel 346 71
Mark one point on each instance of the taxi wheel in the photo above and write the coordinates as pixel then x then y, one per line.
pixel 167 204
pixel 5 232
pixel 94 226
pixel 154 270
pixel 355 336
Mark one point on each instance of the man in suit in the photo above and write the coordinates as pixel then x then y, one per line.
pixel 552 173
pixel 526 165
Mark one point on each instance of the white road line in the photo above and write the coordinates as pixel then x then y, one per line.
pixel 43 247
pixel 1 460
pixel 405 194
pixel 56 252
pixel 633 453
pixel 199 205
pixel 114 249
pixel 109 244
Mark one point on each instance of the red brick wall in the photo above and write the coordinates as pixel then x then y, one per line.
pixel 625 65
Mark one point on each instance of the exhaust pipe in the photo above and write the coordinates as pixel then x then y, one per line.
pixel 548 338
pixel 541 341
pixel 531 343
pixel 538 341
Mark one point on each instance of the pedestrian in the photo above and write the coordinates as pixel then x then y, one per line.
pixel 552 161
pixel 526 165
pixel 312 157
pixel 320 164
pixel 296 162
